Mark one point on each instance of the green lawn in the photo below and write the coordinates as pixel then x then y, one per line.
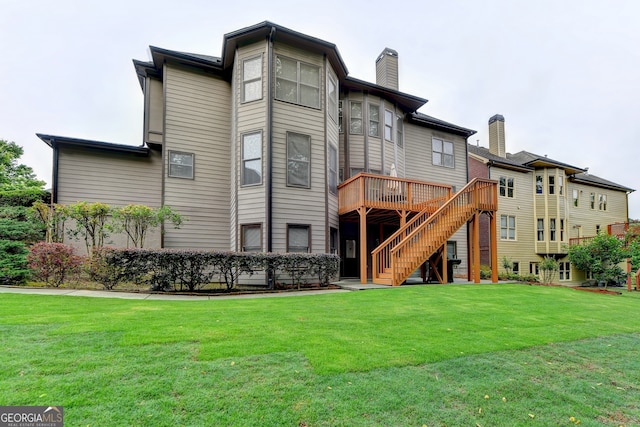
pixel 455 355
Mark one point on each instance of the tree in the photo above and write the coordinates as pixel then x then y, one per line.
pixel 135 220
pixel 548 267
pixel 91 220
pixel 601 256
pixel 15 176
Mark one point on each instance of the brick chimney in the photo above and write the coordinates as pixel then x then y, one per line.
pixel 387 69
pixel 496 136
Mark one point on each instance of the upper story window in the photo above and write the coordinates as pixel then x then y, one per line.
pixel 332 97
pixel 251 238
pixel 602 202
pixel 540 229
pixel 252 79
pixel 561 185
pixel 297 82
pixel 552 229
pixel 538 184
pixel 298 160
pixel 251 159
pixel 340 128
pixel 507 227
pixel 552 184
pixel 576 198
pixel 399 131
pixel 298 238
pixel 355 118
pixel 374 120
pixel 592 200
pixel 333 169
pixel 506 186
pixel 388 125
pixel 181 165
pixel 442 153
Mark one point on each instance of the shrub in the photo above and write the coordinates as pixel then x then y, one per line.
pixel 13 263
pixel 53 262
pixel 24 231
pixel 25 197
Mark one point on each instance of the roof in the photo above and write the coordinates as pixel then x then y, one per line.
pixel 55 141
pixel 497 160
pixel 537 161
pixel 586 178
pixel 432 122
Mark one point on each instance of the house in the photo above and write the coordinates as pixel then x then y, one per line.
pixel 274 147
pixel 544 205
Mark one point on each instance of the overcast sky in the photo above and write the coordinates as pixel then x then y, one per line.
pixel 564 74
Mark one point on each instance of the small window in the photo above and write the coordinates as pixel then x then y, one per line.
pixel 442 153
pixel 506 187
pixel 507 227
pixel 252 79
pixel 540 229
pixel 597 228
pixel 515 267
pixel 399 131
pixel 538 184
pixel 355 119
pixel 561 185
pixel 251 238
pixel 298 238
pixel 564 271
pixel 298 160
pixel 592 200
pixel 533 268
pixel 333 169
pixel 562 230
pixel 374 120
pixel 252 159
pixel 452 249
pixel 552 229
pixel 388 125
pixel 332 97
pixel 552 184
pixel 340 128
pixel 297 82
pixel 602 202
pixel 333 240
pixel 576 197
pixel 180 165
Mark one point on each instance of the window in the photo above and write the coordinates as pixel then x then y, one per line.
pixel 506 186
pixel 533 268
pixel 442 153
pixel 597 228
pixel 340 128
pixel 552 229
pixel 333 240
pixel 564 270
pixel 252 79
pixel 516 268
pixel 388 125
pixel 561 185
pixel 538 184
pixel 399 131
pixel 562 230
pixel 298 160
pixel 552 184
pixel 507 227
pixel 592 200
pixel 180 165
pixel 298 238
pixel 602 202
pixel 374 120
pixel 297 82
pixel 251 159
pixel 575 198
pixel 333 169
pixel 332 97
pixel 251 238
pixel 540 229
pixel 452 249
pixel 355 119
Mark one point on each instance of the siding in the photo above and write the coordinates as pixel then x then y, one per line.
pixel 198 121
pixel 154 115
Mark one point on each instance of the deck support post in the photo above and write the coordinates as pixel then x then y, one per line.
pixel 494 246
pixel 476 247
pixel 363 244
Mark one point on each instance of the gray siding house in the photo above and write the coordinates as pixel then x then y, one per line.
pixel 256 147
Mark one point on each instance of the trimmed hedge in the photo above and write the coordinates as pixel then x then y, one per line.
pixel 25 197
pixel 191 270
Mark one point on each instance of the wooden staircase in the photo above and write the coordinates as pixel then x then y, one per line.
pixel 408 248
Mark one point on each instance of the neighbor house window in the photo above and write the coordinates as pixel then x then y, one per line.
pixel 252 79
pixel 516 268
pixel 355 119
pixel 540 229
pixel 552 229
pixel 251 159
pixel 298 238
pixel 562 230
pixel 442 153
pixel 602 202
pixel 507 227
pixel 538 184
pixel 251 238
pixel 297 82
pixel 506 186
pixel 564 270
pixel 332 97
pixel 592 200
pixel 575 198
pixel 399 131
pixel 374 120
pixel 340 128
pixel 552 184
pixel 533 268
pixel 180 165
pixel 333 240
pixel 561 185
pixel 298 160
pixel 333 169
pixel 388 125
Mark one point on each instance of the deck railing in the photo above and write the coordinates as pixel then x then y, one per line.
pixel 386 192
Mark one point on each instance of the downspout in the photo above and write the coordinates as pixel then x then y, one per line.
pixel 269 131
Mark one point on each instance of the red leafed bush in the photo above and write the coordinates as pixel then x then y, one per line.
pixel 53 262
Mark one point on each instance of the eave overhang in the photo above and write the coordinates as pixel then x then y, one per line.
pixel 408 103
pixel 433 123
pixel 54 141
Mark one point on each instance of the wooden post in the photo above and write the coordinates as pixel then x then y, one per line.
pixel 363 244
pixel 443 261
pixel 476 247
pixel 494 246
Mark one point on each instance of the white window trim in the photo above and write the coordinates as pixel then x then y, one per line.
pixel 243 160
pixel 245 81
pixel 308 184
pixel 442 153
pixel 298 83
pixel 193 165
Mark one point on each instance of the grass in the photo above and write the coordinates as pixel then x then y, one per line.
pixel 487 355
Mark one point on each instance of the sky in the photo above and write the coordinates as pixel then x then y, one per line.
pixel 564 74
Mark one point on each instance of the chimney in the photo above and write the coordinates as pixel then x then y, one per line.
pixel 387 69
pixel 496 136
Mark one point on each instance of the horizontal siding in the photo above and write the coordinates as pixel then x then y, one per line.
pixel 198 121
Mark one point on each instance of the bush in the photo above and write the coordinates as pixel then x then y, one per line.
pixel 13 263
pixel 26 197
pixel 53 262
pixel 24 231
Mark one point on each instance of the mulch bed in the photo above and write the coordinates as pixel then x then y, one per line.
pixel 599 291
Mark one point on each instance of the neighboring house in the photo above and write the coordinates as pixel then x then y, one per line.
pixel 543 204
pixel 273 147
